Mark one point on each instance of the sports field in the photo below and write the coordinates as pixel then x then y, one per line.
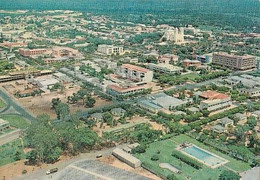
pixel 166 147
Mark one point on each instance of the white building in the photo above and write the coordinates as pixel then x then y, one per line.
pixel 164 68
pixel 110 49
pixel 176 35
pixel 136 73
pixel 214 101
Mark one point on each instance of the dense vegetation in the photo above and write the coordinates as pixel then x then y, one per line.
pixel 230 15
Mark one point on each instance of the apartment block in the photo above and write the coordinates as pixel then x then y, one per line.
pixel 233 61
pixel 110 49
pixel 31 52
pixel 136 73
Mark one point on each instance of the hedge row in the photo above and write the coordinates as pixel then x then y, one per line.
pixel 186 159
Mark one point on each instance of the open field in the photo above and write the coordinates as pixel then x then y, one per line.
pixel 8 151
pixel 166 147
pixel 42 104
pixel 16 121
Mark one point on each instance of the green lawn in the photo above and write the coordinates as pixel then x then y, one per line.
pixel 2 103
pixel 190 76
pixel 16 121
pixel 166 148
pixel 8 151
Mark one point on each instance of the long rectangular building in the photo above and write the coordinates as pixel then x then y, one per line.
pixel 233 61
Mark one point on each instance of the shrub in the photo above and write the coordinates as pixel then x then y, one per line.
pixel 155 157
pixel 186 159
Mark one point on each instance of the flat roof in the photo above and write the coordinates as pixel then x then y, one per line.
pixel 126 156
pixel 137 68
pixel 213 95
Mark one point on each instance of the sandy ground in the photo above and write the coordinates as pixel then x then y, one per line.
pixel 42 104
pixel 15 169
pixel 111 160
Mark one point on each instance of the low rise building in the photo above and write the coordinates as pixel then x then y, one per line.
pixel 118 112
pixel 205 59
pixel 117 91
pixel 189 63
pixel 156 102
pixel 164 68
pixel 110 49
pixel 233 61
pixel 213 101
pixel 126 158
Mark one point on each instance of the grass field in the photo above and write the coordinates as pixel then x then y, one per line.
pixel 8 151
pixel 16 121
pixel 190 76
pixel 2 103
pixel 165 147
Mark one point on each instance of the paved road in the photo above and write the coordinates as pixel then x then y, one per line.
pixel 6 138
pixel 41 174
pixel 12 103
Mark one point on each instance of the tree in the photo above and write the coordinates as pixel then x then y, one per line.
pixel 172 177
pixel 90 101
pixel 17 155
pixel 55 102
pixel 228 175
pixel 62 111
pixel 108 118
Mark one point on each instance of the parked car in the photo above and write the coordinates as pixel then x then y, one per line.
pixel 99 156
pixel 54 170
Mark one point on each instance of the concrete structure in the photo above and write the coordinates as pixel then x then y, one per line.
pixel 226 122
pixel 135 73
pixel 251 174
pixel 98 117
pixel 4 125
pixel 110 49
pixel 166 58
pixel 116 90
pixel 156 102
pixel 118 112
pixel 188 63
pixel 214 101
pixel 245 80
pixel 65 52
pixel 233 61
pixel 175 35
pixel 164 68
pixel 31 52
pixel 126 158
pixel 205 59
pixel 45 83
pixel 255 92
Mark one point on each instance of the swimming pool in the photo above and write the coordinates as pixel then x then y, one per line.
pixel 204 156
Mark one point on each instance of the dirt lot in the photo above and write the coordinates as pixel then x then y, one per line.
pixel 15 169
pixel 111 160
pixel 42 104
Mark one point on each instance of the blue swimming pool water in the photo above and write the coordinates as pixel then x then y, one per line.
pixel 203 155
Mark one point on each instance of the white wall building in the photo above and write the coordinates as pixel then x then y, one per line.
pixel 110 49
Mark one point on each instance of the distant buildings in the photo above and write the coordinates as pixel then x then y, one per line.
pixel 117 90
pixel 214 101
pixel 175 35
pixel 136 73
pixel 31 52
pixel 189 63
pixel 156 102
pixel 222 125
pixel 164 68
pixel 110 49
pixel 65 52
pixel 205 59
pixel 233 61
pixel 166 58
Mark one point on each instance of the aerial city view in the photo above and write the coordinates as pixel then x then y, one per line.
pixel 130 89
